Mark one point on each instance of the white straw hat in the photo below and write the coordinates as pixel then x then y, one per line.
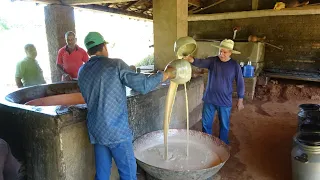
pixel 227 44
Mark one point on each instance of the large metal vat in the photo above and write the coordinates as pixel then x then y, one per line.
pixel 207 143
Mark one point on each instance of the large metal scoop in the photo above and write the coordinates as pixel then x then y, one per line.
pixel 185 46
pixel 157 169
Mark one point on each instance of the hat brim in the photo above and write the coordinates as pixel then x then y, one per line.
pixel 232 51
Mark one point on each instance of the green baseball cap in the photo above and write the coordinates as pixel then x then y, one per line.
pixel 93 39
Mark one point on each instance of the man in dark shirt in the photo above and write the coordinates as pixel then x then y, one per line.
pixel 223 70
pixel 9 166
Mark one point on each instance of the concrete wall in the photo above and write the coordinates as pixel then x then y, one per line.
pixel 77 152
pixel 243 5
pixel 298 35
pixel 169 23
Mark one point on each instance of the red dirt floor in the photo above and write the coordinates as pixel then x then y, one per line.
pixel 261 141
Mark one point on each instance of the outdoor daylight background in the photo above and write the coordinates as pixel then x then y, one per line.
pixel 23 22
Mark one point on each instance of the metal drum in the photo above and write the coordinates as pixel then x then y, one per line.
pixel 308 112
pixel 311 123
pixel 305 157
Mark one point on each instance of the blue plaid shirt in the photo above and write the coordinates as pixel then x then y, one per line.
pixel 103 82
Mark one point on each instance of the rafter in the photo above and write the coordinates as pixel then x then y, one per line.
pixel 255 4
pixel 76 2
pixel 311 10
pixel 129 5
pixel 147 8
pixel 114 11
pixel 84 2
pixel 209 6
pixel 193 9
pixel 196 3
pixel 41 1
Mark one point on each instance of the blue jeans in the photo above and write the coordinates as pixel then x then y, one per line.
pixel 123 156
pixel 208 113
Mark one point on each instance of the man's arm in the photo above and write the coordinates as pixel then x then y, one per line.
pixel 60 68
pixel 19 74
pixel 3 157
pixel 240 87
pixel 65 76
pixel 9 166
pixel 201 63
pixel 19 82
pixel 140 82
pixel 59 62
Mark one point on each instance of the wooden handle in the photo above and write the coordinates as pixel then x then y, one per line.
pixel 253 38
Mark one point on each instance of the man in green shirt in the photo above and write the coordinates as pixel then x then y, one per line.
pixel 28 71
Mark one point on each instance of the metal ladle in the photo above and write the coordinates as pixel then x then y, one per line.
pixel 183 47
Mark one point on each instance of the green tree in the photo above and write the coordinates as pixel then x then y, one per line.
pixel 3 25
pixel 149 60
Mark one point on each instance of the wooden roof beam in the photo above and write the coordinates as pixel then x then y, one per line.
pixel 196 3
pixel 209 6
pixel 75 2
pixel 41 1
pixel 115 11
pixel 147 8
pixel 129 5
pixel 255 4
pixel 86 2
pixel 307 10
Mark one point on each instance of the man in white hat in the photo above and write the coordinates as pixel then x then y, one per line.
pixel 223 70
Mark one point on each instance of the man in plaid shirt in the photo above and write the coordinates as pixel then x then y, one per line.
pixel 102 82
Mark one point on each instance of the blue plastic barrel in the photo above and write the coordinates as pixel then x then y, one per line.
pixel 248 70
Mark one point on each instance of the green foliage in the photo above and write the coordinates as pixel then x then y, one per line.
pixel 3 25
pixel 149 60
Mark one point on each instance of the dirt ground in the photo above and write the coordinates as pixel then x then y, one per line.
pixel 283 90
pixel 261 141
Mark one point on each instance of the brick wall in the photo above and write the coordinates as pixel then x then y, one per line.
pixel 298 35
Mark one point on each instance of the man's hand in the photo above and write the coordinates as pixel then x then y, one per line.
pixel 66 77
pixel 240 105
pixel 189 58
pixel 169 73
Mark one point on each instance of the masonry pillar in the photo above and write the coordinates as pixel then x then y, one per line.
pixel 170 22
pixel 59 19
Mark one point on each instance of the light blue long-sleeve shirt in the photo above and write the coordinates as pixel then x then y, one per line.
pixel 102 83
